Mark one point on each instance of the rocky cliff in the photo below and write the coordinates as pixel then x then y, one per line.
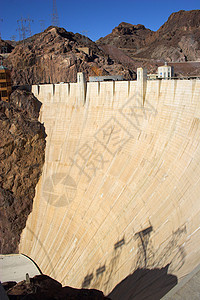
pixel 127 36
pixel 177 40
pixel 22 145
pixel 54 56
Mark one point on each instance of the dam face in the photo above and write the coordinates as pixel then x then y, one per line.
pixel 120 185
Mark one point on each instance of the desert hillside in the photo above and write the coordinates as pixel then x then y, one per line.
pixel 55 56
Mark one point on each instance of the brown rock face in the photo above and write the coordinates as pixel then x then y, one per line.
pixel 22 145
pixel 177 40
pixel 5 47
pixel 46 288
pixel 53 56
pixel 126 35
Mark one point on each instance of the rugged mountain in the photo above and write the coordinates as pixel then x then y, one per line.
pixel 22 145
pixel 53 56
pixel 127 36
pixel 177 40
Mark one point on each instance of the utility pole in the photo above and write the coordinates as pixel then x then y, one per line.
pixel 54 17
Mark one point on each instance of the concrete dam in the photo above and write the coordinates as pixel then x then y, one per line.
pixel 120 187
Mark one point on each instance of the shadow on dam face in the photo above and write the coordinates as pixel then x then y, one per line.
pixel 146 283
pixel 147 260
pixel 151 284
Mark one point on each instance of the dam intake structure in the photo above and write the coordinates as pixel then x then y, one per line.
pixel 120 184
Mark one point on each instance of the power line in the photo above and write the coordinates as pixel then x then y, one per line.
pixel 54 17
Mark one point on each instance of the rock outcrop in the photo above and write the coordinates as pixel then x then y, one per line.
pixel 22 145
pixel 176 41
pixel 6 47
pixel 55 56
pixel 46 288
pixel 127 36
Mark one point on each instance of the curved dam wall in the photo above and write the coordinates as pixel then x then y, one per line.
pixel 120 186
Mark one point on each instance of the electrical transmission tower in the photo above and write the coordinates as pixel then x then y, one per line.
pixel 54 17
pixel 13 39
pixel 24 28
pixel 29 21
pixel 42 25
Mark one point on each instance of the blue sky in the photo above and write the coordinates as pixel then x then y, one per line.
pixel 96 17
